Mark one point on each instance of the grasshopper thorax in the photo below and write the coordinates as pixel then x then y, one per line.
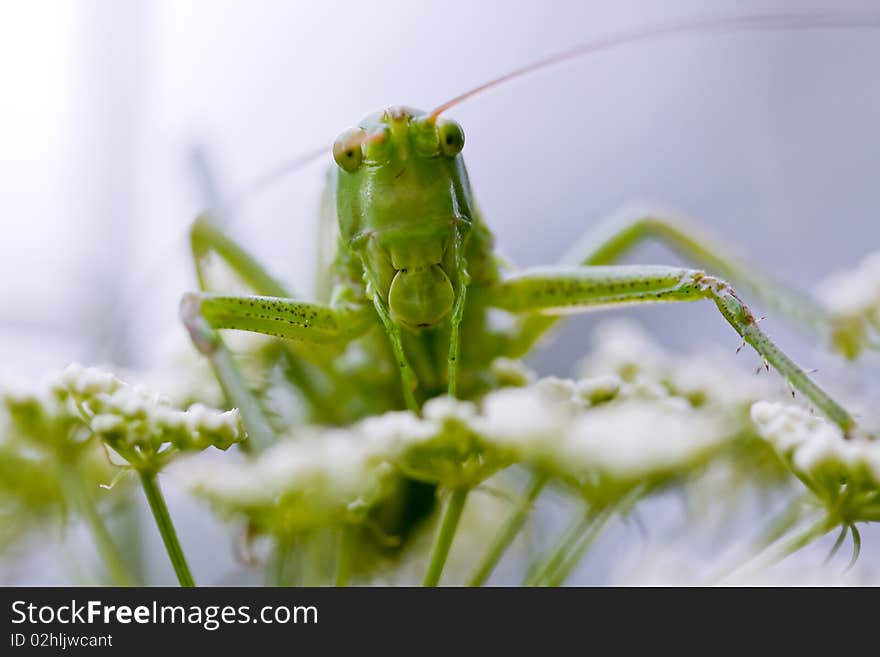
pixel 404 206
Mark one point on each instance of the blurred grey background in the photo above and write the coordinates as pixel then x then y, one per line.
pixel 769 139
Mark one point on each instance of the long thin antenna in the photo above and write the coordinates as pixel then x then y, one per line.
pixel 274 175
pixel 792 21
pixel 725 24
pixel 280 171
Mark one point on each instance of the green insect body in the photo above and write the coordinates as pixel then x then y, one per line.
pixel 414 261
pixel 413 281
pixel 405 212
pixel 405 310
pixel 410 230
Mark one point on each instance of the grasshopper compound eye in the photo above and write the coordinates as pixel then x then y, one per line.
pixel 347 149
pixel 451 138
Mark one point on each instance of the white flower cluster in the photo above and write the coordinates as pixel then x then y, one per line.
pixel 318 477
pixel 139 424
pixel 41 435
pixel 297 484
pixel 854 292
pixel 817 450
pixel 599 429
pixel 710 378
pixel 853 300
pixel 40 414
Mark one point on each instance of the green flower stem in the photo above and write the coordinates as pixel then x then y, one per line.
pixel 541 570
pixel 555 575
pixel 558 577
pixel 343 556
pixel 772 532
pixel 277 574
pixel 778 551
pixel 260 434
pixel 508 531
pixel 445 534
pixel 314 572
pixel 75 489
pixel 789 547
pixel 166 528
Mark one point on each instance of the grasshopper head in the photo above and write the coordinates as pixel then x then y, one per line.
pixel 404 207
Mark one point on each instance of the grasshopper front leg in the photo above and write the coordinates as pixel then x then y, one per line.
pixel 203 314
pixel 392 330
pixel 576 289
pixel 206 238
pixel 616 236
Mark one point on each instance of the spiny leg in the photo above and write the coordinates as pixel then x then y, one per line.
pixel 205 238
pixel 561 290
pixel 606 243
pixel 209 344
pixel 315 323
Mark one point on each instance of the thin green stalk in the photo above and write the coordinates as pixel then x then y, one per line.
pixel 540 571
pixel 812 533
pixel 277 572
pixel 777 551
pixel 572 551
pixel 343 556
pixel 166 528
pixel 260 434
pixel 445 534
pixel 770 534
pixel 75 488
pixel 314 572
pixel 558 577
pixel 508 531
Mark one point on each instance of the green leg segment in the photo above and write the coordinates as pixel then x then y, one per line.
pixel 576 289
pixel 206 238
pixel 508 531
pixel 310 322
pixel 613 238
pixel 407 376
pixel 463 279
pixel 208 342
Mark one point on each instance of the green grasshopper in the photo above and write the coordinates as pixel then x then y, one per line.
pixel 409 283
pixel 415 278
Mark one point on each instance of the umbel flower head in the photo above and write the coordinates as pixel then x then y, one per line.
pixel 48 431
pixel 143 427
pixel 601 436
pixel 844 474
pixel 42 441
pixel 852 298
